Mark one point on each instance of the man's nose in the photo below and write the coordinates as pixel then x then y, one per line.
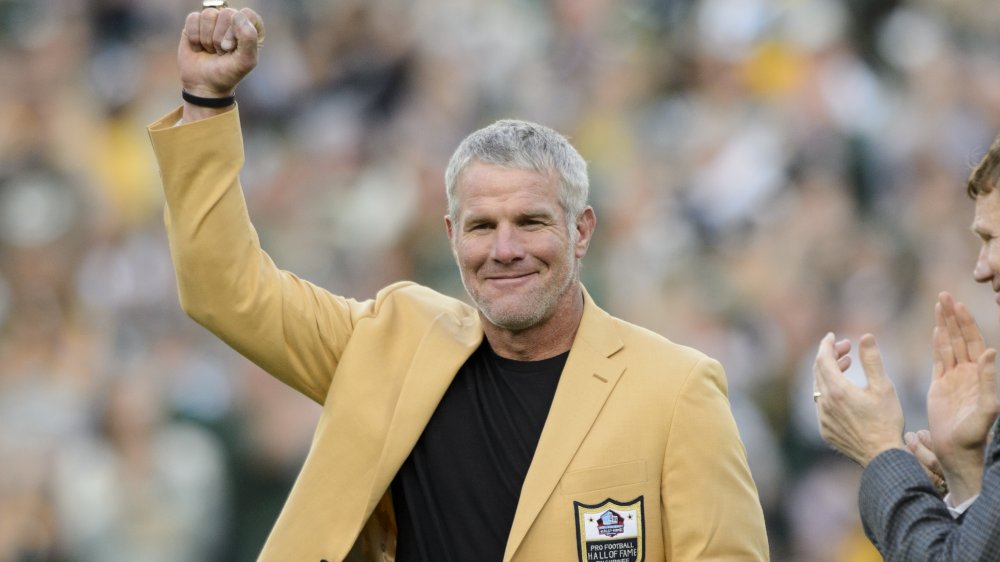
pixel 983 272
pixel 507 245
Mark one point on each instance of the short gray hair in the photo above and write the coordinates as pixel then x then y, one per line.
pixel 523 145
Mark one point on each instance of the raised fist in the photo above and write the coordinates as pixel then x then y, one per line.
pixel 217 49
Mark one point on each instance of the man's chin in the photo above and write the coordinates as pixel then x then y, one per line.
pixel 512 319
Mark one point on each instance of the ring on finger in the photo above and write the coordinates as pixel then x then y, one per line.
pixel 940 484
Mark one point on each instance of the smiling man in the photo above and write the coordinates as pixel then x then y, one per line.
pixel 529 426
pixel 519 233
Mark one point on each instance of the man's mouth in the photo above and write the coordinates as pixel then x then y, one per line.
pixel 509 278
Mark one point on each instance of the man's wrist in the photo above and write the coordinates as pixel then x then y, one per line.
pixel 963 483
pixel 957 509
pixel 215 102
pixel 878 450
pixel 191 113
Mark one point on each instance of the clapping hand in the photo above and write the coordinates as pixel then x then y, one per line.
pixel 858 422
pixel 962 401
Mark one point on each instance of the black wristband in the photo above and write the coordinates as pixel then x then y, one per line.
pixel 208 102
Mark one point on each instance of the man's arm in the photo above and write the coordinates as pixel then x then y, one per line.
pixel 289 327
pixel 908 522
pixel 709 501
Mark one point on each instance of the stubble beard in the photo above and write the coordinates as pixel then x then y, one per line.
pixel 538 305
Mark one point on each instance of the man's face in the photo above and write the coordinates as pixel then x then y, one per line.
pixel 518 259
pixel 986 225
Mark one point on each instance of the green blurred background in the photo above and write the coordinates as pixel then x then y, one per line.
pixel 763 171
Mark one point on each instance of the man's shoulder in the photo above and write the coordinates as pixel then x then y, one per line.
pixel 657 368
pixel 413 298
pixel 644 344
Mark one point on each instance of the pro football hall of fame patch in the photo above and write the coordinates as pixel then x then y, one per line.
pixel 611 530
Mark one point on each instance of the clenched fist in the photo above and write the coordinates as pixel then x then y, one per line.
pixel 217 49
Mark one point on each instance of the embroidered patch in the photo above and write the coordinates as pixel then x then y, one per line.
pixel 611 530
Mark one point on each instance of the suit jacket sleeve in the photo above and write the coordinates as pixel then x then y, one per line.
pixel 291 328
pixel 907 521
pixel 710 506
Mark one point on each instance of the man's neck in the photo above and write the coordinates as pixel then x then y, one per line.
pixel 548 338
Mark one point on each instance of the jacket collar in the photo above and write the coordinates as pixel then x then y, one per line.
pixel 591 372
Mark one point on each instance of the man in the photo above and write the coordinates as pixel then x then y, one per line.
pixel 532 426
pixel 903 514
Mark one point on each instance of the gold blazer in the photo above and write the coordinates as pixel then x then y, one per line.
pixel 639 459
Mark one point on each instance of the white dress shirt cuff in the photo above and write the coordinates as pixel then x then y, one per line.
pixel 959 509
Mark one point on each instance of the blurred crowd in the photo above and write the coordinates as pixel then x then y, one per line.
pixel 763 171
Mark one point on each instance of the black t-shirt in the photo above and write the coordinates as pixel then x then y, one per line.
pixel 456 494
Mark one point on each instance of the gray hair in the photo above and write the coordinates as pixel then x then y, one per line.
pixel 524 145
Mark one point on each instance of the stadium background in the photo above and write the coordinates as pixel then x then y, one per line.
pixel 764 171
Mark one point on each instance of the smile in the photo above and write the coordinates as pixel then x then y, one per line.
pixel 510 279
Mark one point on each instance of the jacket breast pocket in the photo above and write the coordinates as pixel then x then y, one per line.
pixel 601 477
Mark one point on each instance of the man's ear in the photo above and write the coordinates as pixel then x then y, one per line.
pixel 450 227
pixel 586 223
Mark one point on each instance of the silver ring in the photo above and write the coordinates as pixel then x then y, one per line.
pixel 217 4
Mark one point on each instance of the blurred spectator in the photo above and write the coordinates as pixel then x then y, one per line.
pixel 140 488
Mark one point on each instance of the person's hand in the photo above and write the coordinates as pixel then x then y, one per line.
pixel 920 444
pixel 858 422
pixel 217 49
pixel 962 400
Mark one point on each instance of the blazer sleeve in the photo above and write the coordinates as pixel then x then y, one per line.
pixel 291 328
pixel 907 521
pixel 711 510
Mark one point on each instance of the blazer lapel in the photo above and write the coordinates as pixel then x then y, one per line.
pixel 446 346
pixel 587 379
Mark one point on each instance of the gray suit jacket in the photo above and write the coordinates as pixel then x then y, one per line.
pixel 907 521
